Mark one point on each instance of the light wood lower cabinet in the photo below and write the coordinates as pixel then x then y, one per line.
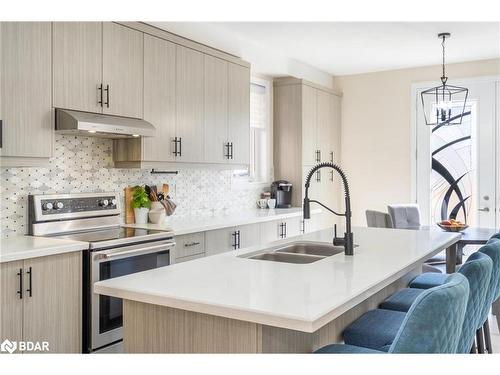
pixel 41 301
pixel 276 230
pixel 222 240
pixel 11 305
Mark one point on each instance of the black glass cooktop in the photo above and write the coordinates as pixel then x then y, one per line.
pixel 113 234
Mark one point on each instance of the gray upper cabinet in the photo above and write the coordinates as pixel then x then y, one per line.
pixel 217 149
pixel 77 65
pixel 122 70
pixel 98 67
pixel 189 105
pixel 239 113
pixel 25 92
pixel 159 98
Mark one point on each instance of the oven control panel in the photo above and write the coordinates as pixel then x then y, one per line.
pixel 68 205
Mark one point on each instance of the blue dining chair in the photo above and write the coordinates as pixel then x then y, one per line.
pixel 432 325
pixel 477 270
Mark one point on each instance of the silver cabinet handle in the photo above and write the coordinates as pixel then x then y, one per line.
pixel 191 244
pixel 486 209
pixel 135 251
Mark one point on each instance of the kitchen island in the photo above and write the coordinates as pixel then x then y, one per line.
pixel 229 303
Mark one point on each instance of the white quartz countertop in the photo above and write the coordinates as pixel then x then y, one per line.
pixel 24 247
pixel 302 297
pixel 186 225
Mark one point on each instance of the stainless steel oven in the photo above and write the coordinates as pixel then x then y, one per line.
pixel 107 312
pixel 113 251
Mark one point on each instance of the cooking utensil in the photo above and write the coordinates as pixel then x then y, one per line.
pixel 165 189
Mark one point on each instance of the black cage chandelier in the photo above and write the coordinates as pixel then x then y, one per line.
pixel 440 103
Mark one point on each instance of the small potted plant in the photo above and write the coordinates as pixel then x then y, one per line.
pixel 141 205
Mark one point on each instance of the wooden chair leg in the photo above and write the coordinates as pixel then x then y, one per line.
pixel 480 341
pixel 487 337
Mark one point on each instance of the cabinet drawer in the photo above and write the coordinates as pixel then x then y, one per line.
pixel 189 244
pixel 188 258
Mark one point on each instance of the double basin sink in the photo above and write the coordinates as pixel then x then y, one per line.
pixel 302 252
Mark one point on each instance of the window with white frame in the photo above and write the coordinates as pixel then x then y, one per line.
pixel 260 133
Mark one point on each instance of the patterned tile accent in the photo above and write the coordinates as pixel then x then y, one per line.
pixel 85 164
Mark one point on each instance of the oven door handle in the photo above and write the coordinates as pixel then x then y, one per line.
pixel 139 251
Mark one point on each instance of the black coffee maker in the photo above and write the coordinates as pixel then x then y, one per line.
pixel 281 190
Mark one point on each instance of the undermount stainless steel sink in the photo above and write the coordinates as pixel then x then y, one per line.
pixel 286 257
pixel 302 252
pixel 311 248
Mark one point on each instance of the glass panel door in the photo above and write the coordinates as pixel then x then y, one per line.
pixel 456 165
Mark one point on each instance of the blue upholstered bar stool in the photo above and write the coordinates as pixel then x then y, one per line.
pixel 477 270
pixel 492 249
pixel 432 325
pixel 377 328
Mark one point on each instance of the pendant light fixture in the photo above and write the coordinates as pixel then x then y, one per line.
pixel 444 104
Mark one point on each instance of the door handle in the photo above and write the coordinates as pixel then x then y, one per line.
pixel 99 88
pixel 191 244
pixel 20 291
pixel 235 241
pixel 107 96
pixel 30 287
pixel 175 146
pixel 486 209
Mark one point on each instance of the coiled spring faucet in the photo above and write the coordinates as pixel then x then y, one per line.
pixel 348 239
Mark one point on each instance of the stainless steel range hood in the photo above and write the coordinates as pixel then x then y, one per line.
pixel 104 126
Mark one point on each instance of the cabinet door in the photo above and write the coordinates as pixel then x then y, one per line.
pixel 190 103
pixel 325 124
pixel 270 231
pixel 77 65
pixel 309 125
pixel 122 70
pixel 239 113
pixel 249 235
pixel 293 226
pixel 25 89
pixel 11 301
pixel 219 241
pixel 159 98
pixel 52 312
pixel 216 110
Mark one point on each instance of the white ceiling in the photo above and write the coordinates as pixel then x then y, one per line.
pixel 341 48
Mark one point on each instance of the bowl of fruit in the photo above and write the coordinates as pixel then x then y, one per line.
pixel 452 225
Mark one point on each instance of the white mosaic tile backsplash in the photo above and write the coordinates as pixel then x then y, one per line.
pixel 85 164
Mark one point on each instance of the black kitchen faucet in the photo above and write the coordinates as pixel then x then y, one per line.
pixel 347 241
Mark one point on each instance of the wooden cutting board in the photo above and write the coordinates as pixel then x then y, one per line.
pixel 129 211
